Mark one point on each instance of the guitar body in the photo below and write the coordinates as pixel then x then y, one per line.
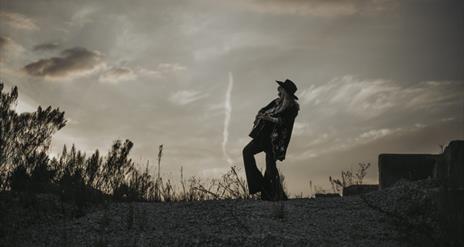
pixel 261 125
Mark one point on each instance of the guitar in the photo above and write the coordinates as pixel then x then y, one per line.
pixel 260 124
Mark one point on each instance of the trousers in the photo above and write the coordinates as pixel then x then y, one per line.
pixel 270 182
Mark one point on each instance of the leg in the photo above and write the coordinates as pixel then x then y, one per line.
pixel 272 177
pixel 271 167
pixel 253 175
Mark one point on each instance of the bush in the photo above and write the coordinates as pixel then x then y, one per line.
pixel 25 137
pixel 349 177
pixel 20 180
pixel 25 166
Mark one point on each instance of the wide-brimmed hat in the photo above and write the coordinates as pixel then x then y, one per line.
pixel 289 86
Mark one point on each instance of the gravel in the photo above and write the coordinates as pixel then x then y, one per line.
pixel 369 220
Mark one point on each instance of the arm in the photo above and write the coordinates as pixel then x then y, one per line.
pixel 282 117
pixel 276 120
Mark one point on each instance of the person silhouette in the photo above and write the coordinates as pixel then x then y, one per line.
pixel 271 133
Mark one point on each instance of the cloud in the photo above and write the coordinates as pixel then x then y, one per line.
pixel 227 115
pixel 162 70
pixel 117 74
pixel 72 62
pixel 5 43
pixel 447 119
pixel 299 128
pixel 170 67
pixel 375 134
pixel 8 47
pixel 46 46
pixel 83 16
pixel 184 97
pixel 325 143
pixel 371 98
pixel 18 21
pixel 319 8
pixel 349 111
pixel 150 73
pixel 25 104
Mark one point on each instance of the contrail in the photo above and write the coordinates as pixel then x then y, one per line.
pixel 227 111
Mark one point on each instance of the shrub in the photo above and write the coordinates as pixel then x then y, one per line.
pixel 24 137
pixel 349 177
pixel 25 166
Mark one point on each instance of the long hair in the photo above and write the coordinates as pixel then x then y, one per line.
pixel 286 102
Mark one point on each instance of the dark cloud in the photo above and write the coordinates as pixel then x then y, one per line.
pixel 120 71
pixel 117 74
pixel 72 61
pixel 47 46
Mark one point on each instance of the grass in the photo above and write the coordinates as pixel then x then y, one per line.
pixel 228 186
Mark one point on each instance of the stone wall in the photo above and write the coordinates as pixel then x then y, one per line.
pixel 394 167
pixel 447 168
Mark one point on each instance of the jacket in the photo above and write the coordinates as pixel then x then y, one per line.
pixel 281 132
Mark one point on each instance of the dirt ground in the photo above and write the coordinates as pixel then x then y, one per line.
pixel 376 219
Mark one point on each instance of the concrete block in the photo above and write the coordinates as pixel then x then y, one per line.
pixel 451 204
pixel 358 189
pixel 453 160
pixel 393 167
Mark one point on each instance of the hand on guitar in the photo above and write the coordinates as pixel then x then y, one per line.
pixel 266 117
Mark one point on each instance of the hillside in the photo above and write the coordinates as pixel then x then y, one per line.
pixel 400 216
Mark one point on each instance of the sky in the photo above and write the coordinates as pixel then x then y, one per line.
pixel 373 76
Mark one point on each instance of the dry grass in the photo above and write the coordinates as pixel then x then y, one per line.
pixel 349 177
pixel 229 186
